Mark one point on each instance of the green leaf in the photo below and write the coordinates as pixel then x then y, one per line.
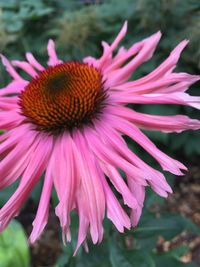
pixel 120 257
pixel 168 225
pixel 14 249
pixel 97 256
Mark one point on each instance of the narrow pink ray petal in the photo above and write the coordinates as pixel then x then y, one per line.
pixel 139 192
pixel 8 105
pixel 114 141
pixel 118 76
pixel 10 119
pixel 165 68
pixel 108 51
pixel 28 181
pixel 41 218
pixel 177 123
pixel 14 87
pixel 114 210
pixel 25 66
pixel 18 166
pixel 92 187
pixel 133 132
pixel 10 69
pixel 53 59
pixel 31 59
pixel 12 137
pixel 119 185
pixel 173 99
pixel 159 190
pixel 11 162
pixel 83 218
pixel 174 82
pixel 67 180
pixel 109 156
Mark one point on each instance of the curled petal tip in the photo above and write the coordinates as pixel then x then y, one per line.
pixel 125 26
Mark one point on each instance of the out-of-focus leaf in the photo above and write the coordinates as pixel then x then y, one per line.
pixel 168 225
pixel 97 257
pixel 14 250
pixel 120 257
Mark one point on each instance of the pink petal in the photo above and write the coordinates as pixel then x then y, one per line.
pixel 28 181
pixel 65 180
pixel 25 66
pixel 165 68
pixel 15 162
pixel 10 69
pixel 108 50
pixel 53 59
pixel 10 119
pixel 133 132
pixel 175 99
pixel 109 156
pixel 31 59
pixel 174 82
pixel 177 123
pixel 118 76
pixel 83 218
pixel 91 186
pixel 41 217
pixel 139 192
pixel 114 210
pixel 14 87
pixel 120 185
pixel 114 141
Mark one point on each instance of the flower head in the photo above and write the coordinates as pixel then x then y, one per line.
pixel 68 123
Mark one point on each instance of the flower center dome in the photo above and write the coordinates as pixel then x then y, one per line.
pixel 62 97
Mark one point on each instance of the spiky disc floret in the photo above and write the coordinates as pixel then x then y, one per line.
pixel 62 97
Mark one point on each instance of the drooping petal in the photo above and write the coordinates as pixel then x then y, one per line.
pixel 65 181
pixel 41 217
pixel 177 123
pixel 92 187
pixel 114 210
pixel 133 132
pixel 30 177
pixel 139 192
pixel 14 163
pixel 152 176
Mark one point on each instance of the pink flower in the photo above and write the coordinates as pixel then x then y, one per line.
pixel 68 123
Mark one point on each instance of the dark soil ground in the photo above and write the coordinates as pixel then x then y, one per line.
pixel 185 201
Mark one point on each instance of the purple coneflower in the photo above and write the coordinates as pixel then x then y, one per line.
pixel 68 123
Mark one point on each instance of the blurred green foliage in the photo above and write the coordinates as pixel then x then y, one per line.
pixel 14 251
pixel 78 28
